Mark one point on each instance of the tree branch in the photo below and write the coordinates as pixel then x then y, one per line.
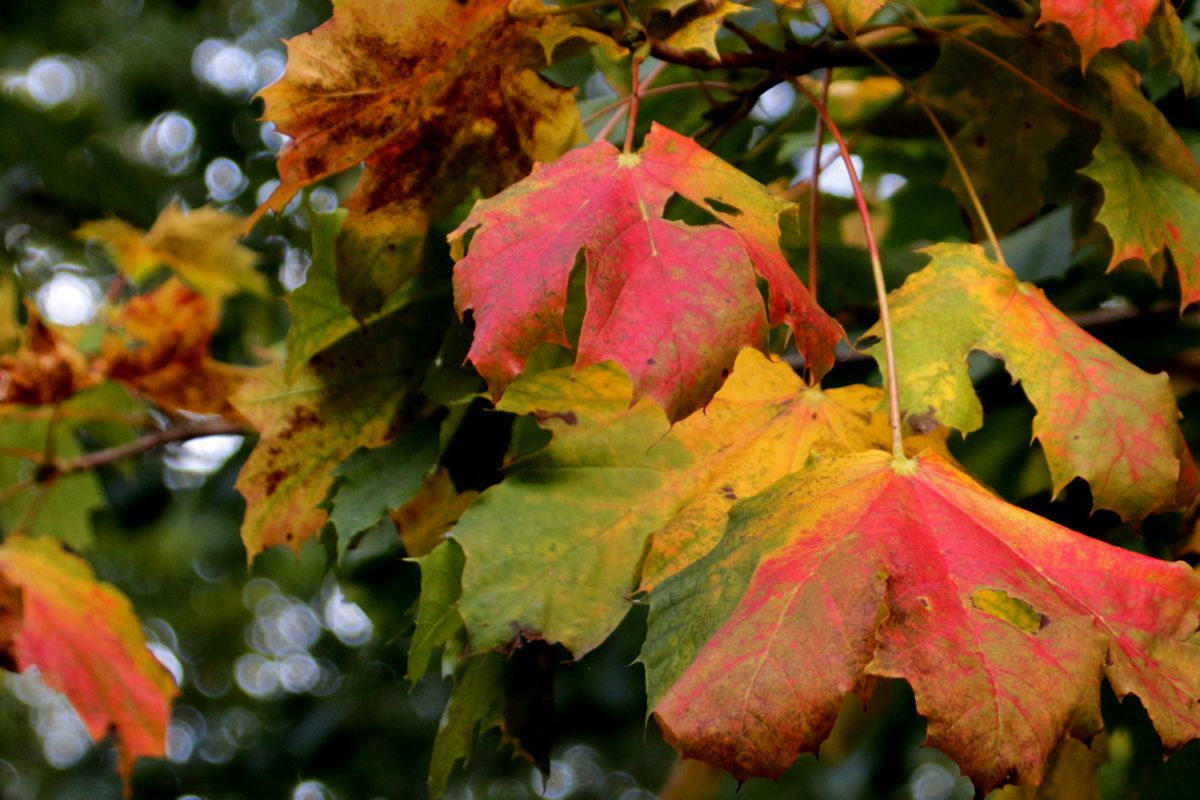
pixel 178 433
pixel 795 61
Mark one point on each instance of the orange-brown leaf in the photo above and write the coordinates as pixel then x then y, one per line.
pixel 422 521
pixel 435 96
pixel 161 350
pixel 45 369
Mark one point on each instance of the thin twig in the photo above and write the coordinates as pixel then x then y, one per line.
pixel 10 492
pixel 794 61
pixel 624 109
pixel 1000 62
pixel 753 42
pixel 555 11
pixel 20 452
pixel 814 197
pixel 609 126
pixel 212 426
pixel 670 87
pixel 959 166
pixel 876 270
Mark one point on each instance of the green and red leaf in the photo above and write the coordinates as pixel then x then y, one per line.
pixel 1099 417
pixel 621 500
pixel 1003 623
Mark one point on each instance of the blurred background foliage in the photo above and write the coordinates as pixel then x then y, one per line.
pixel 292 672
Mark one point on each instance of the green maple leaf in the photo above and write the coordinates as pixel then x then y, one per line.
pixel 1099 417
pixel 620 500
pixel 344 398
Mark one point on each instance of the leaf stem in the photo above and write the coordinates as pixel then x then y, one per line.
pixel 1008 67
pixel 671 87
pixel 885 319
pixel 959 166
pixel 634 91
pixel 814 198
pixel 604 132
pixel 557 11
pixel 793 61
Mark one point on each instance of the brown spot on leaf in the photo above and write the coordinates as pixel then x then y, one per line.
pixel 922 423
pixel 567 417
pixel 274 478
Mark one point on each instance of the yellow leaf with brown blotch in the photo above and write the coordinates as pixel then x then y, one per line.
pixel 201 246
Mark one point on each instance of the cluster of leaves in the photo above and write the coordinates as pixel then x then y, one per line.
pixel 626 310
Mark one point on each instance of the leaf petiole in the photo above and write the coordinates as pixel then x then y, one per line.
pixel 876 271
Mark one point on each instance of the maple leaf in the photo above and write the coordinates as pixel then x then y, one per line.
pixel 848 15
pixel 86 642
pixel 46 369
pixel 1003 623
pixel 1169 44
pixel 436 97
pixel 1099 417
pixel 1150 178
pixel 439 625
pixel 1012 136
pixel 1072 773
pixel 373 482
pixel 344 398
pixel 615 478
pixel 162 351
pixel 692 26
pixel 1097 24
pixel 489 690
pixel 671 303
pixel 1148 209
pixel 318 318
pixel 201 246
pixel 476 705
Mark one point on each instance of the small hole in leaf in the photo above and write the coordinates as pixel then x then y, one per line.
pixel 680 209
pixel 723 208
